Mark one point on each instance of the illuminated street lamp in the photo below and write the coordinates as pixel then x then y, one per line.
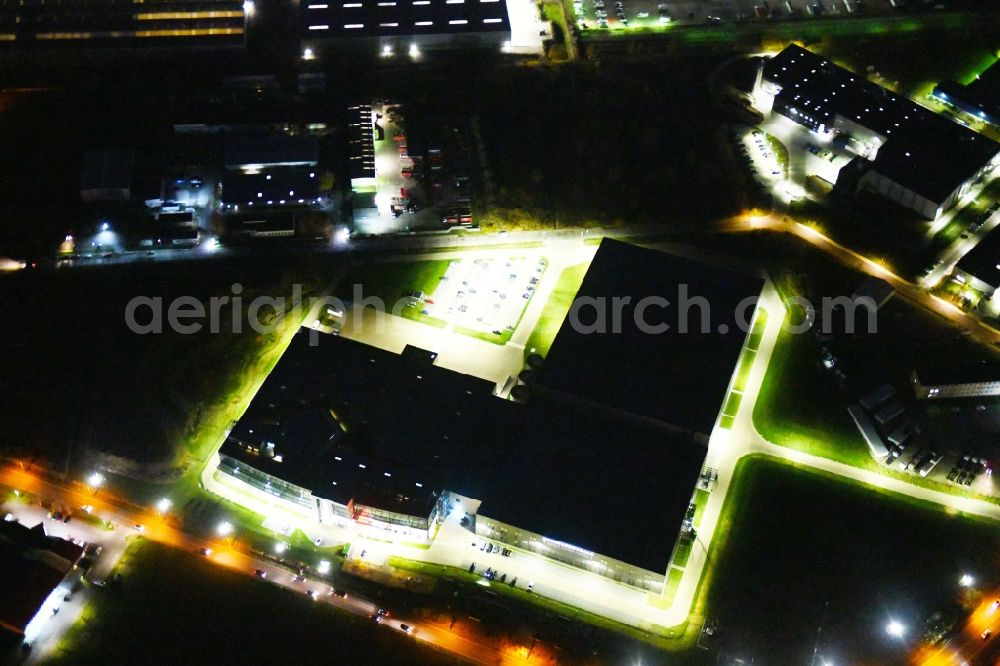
pixel 225 528
pixel 895 629
pixel 324 567
pixel 280 547
pixel 249 8
pixel 163 505
pixel 95 481
pixel 966 580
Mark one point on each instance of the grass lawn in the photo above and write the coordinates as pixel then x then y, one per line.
pixel 174 607
pixel 389 281
pixel 682 553
pixel 556 310
pixel 732 404
pixel 800 408
pixel 780 152
pixel 674 577
pixel 700 500
pixel 797 548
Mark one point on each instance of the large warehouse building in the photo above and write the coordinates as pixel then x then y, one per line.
pixel 120 22
pixel 390 444
pixel 903 152
pixel 404 26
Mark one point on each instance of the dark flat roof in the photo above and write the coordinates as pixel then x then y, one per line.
pixel 981 97
pixel 279 184
pixel 28 571
pixel 392 18
pixel 269 149
pixel 675 378
pixel 924 152
pixel 934 373
pixel 983 260
pixel 607 484
pixel 306 446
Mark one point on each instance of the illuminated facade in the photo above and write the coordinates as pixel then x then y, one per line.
pixel 404 27
pixel 113 22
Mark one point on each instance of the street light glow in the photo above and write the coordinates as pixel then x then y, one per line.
pixel 95 480
pixel 164 505
pixel 966 580
pixel 279 547
pixel 324 567
pixel 895 629
pixel 249 8
pixel 225 528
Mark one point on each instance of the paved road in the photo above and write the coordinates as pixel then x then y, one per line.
pixel 967 322
pixel 160 529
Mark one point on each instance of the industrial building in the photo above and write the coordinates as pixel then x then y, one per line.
pixel 902 151
pixel 978 381
pixel 32 567
pixel 35 23
pixel 980 267
pixel 980 98
pixel 404 27
pixel 391 444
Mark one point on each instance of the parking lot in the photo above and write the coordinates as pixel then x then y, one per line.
pixel 623 14
pixel 485 294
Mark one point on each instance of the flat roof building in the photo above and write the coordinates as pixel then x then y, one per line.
pixel 905 152
pixel 32 565
pixel 270 170
pixel 980 267
pixel 933 382
pixel 678 376
pixel 405 27
pixel 359 436
pixel 36 23
pixel 979 98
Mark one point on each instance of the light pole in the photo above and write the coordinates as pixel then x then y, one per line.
pixel 819 630
pixel 95 481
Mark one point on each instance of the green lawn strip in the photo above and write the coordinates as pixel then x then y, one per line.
pixel 743 369
pixel 757 331
pixel 556 309
pixel 780 152
pixel 700 502
pixel 391 280
pixel 801 411
pixel 416 315
pixel 486 336
pixel 682 553
pixel 179 608
pixel 674 576
pixel 732 404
